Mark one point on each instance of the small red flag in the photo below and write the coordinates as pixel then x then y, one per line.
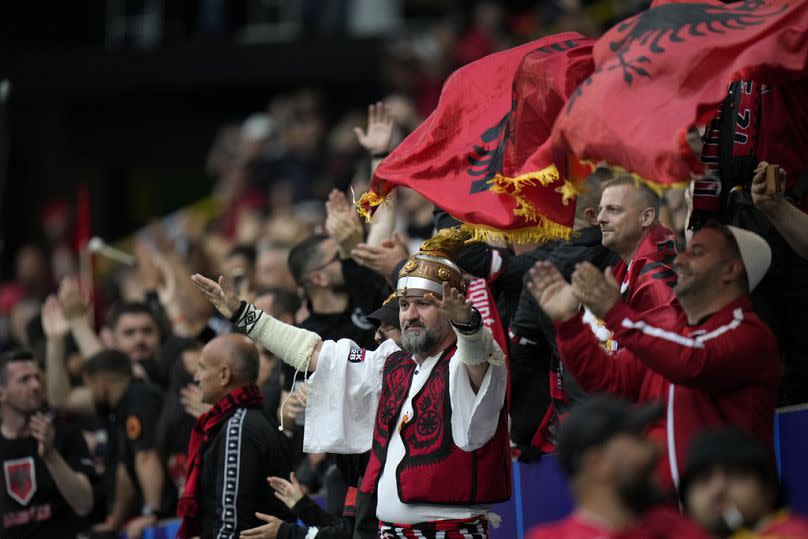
pixel 666 69
pixel 484 155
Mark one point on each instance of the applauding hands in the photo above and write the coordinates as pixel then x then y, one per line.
pixel 561 300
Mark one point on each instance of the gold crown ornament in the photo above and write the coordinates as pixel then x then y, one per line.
pixel 434 265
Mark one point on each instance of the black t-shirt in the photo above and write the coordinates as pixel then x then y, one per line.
pixel 32 505
pixel 136 420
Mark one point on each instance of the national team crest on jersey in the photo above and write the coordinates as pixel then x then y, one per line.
pixel 356 355
pixel 20 476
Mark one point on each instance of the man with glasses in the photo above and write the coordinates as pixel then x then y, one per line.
pixel 339 293
pixel 718 363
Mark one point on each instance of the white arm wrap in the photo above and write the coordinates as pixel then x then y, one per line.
pixel 294 346
pixel 478 347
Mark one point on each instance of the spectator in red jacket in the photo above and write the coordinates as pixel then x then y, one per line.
pixel 629 223
pixel 731 486
pixel 710 358
pixel 609 464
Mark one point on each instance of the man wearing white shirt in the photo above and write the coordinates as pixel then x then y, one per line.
pixel 432 414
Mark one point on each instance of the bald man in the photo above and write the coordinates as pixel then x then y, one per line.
pixel 233 447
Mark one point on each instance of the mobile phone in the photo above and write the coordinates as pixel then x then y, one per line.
pixel 773 179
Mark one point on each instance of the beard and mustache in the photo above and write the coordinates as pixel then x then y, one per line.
pixel 641 493
pixel 424 341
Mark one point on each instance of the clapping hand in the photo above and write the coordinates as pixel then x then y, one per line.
pixel 42 430
pixel 597 290
pixel 553 294
pixel 289 492
pixel 267 531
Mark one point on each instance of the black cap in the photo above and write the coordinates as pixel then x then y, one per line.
pixel 387 314
pixel 594 422
pixel 727 446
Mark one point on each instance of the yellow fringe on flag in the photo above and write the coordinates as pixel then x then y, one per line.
pixel 544 230
pixel 368 201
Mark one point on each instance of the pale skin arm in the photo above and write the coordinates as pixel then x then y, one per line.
pixel 60 395
pixel 150 476
pixel 376 140
pixel 224 298
pixel 74 486
pixel 76 311
pixel 455 307
pixel 124 498
pixel 789 221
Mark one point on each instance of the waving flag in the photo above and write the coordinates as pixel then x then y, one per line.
pixel 668 68
pixel 484 154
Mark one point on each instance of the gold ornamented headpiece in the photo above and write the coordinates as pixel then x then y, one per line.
pixel 434 264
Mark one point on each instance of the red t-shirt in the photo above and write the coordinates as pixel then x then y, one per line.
pixel 659 523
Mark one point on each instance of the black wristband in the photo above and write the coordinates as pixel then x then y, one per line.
pixel 473 325
pixel 379 155
pixel 239 312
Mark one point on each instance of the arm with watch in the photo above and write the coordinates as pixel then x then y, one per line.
pixel 478 376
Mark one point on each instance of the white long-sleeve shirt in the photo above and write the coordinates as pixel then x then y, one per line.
pixel 343 396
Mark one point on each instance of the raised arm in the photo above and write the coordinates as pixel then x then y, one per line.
pixel 789 221
pixel 378 141
pixel 295 346
pixel 77 313
pixel 60 394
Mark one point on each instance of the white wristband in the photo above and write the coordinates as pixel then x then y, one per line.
pixel 478 348
pixel 292 345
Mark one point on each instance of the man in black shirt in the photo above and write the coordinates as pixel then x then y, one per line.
pixel 233 447
pixel 46 465
pixel 339 292
pixel 134 407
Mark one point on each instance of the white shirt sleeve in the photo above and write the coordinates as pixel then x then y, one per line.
pixel 342 397
pixel 475 416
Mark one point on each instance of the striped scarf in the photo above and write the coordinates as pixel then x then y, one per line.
pixel 188 507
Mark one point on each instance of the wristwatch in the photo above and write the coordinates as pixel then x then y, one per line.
pixel 472 325
pixel 147 511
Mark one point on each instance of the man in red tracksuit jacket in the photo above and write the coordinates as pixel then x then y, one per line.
pixel 709 357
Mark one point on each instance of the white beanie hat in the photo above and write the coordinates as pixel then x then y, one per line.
pixel 755 254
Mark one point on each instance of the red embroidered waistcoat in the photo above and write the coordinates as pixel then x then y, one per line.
pixel 434 470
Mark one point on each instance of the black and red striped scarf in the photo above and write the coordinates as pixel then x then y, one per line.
pixel 188 507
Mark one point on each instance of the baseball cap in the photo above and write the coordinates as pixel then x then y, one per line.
pixel 595 421
pixel 756 254
pixel 387 314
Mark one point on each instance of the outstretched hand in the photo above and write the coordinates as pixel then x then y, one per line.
pixel 379 133
pixel 289 492
pixel 267 531
pixel 597 290
pixel 553 294
pixel 453 305
pixel 222 295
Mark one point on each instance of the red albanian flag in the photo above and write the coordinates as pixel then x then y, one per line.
pixel 484 155
pixel 666 69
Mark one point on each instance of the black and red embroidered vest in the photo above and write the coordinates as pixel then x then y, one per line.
pixel 434 470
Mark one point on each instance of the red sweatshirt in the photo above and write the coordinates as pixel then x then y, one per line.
pixel 658 523
pixel 722 371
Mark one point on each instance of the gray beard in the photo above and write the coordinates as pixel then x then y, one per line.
pixel 420 343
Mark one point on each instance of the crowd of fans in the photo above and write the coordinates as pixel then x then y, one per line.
pixel 114 397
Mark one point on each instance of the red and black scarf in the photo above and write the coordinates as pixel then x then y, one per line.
pixel 188 507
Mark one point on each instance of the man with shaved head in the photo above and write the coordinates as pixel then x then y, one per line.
pixel 233 447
